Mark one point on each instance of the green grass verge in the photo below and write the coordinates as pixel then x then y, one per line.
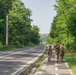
pixel 71 62
pixel 12 47
pixel 39 62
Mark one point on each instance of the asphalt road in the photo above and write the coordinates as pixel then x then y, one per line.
pixel 12 61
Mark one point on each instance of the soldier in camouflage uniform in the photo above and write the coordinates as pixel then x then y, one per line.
pixel 50 48
pixel 62 50
pixel 57 49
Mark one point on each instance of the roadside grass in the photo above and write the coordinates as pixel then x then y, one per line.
pixel 37 64
pixel 14 47
pixel 71 62
pixel 10 47
pixel 5 48
pixel 40 61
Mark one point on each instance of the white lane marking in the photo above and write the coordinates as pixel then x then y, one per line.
pixel 69 69
pixel 56 74
pixel 56 64
pixel 56 68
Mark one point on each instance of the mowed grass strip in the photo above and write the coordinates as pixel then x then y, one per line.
pixel 39 62
pixel 71 60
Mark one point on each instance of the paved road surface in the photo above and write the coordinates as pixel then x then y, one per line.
pixel 12 61
pixel 52 68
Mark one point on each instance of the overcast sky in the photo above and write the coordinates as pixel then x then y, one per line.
pixel 42 13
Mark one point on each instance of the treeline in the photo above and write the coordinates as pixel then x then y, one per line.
pixel 20 31
pixel 64 24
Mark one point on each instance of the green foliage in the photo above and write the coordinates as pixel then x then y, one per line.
pixel 63 27
pixel 5 7
pixel 72 23
pixel 19 22
pixel 71 61
pixel 35 37
pixel 48 39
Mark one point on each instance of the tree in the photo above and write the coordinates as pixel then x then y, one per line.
pixel 63 26
pixel 35 37
pixel 19 24
pixel 5 5
pixel 72 23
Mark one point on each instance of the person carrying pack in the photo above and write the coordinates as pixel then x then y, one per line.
pixel 62 51
pixel 50 47
pixel 57 49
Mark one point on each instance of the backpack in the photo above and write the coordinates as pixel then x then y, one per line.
pixel 57 46
pixel 62 48
pixel 50 47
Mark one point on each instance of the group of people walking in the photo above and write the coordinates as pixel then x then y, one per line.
pixel 59 50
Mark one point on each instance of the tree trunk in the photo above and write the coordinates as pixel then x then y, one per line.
pixel 6 29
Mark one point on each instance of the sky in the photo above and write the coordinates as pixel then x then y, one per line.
pixel 42 13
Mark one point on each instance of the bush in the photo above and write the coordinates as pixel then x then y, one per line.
pixel 71 47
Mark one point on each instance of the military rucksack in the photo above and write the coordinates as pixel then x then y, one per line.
pixel 50 47
pixel 62 48
pixel 57 46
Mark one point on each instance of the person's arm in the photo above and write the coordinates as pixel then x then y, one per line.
pixel 52 47
pixel 65 49
pixel 55 46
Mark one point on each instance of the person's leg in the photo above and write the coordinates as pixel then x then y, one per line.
pixel 62 55
pixel 49 56
pixel 57 56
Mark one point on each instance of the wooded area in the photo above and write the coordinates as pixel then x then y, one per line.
pixel 64 24
pixel 15 24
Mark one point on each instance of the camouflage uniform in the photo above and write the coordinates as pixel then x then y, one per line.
pixel 46 48
pixel 49 52
pixel 57 48
pixel 62 50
